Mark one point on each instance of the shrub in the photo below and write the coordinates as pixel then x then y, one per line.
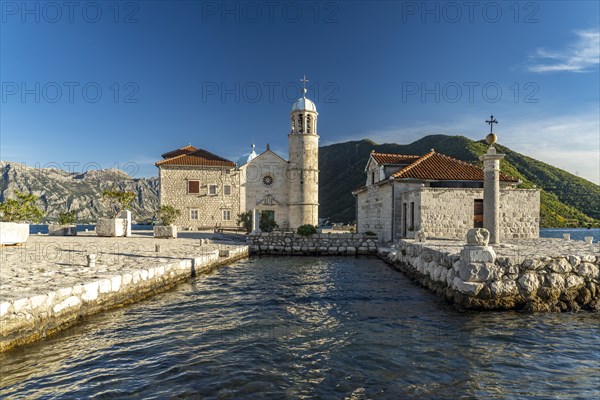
pixel 66 218
pixel 267 221
pixel 168 214
pixel 306 230
pixel 245 220
pixel 118 199
pixel 21 209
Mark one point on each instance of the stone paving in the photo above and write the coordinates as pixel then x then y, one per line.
pixel 46 263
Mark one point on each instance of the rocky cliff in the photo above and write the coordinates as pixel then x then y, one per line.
pixel 59 190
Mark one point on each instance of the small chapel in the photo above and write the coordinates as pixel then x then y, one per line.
pixel 211 191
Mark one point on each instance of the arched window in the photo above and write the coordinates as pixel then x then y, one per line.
pixel 308 124
pixel 300 125
pixel 293 125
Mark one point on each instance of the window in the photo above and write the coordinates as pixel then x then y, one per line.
pixel 212 190
pixel 227 171
pixel 412 215
pixel 372 178
pixel 226 215
pixel 193 187
pixel 227 190
pixel 194 214
pixel 267 180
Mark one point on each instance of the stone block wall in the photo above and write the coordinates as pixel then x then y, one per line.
pixel 374 211
pixel 173 191
pixel 317 244
pixel 535 283
pixel 448 212
pixel 519 213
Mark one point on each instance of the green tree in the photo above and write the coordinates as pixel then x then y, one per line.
pixel 118 200
pixel 66 218
pixel 168 214
pixel 21 209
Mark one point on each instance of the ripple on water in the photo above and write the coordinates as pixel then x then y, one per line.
pixel 309 327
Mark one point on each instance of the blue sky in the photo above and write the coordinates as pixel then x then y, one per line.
pixel 89 85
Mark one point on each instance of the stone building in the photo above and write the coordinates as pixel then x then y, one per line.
pixel 439 195
pixel 211 191
pixel 203 186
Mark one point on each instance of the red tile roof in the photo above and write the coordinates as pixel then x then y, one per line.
pixel 184 150
pixel 385 158
pixel 199 157
pixel 436 166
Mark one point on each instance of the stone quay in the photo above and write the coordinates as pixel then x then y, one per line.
pixel 533 275
pixel 50 282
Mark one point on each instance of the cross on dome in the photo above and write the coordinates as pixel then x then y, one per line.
pixel 304 80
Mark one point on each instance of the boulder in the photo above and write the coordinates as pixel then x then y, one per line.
pixel 468 288
pixel 62 230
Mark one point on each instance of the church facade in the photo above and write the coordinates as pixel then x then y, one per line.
pixel 212 191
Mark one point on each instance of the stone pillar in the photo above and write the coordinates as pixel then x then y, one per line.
pixel 255 222
pixel 491 193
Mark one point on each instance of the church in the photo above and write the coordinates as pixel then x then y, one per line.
pixel 440 196
pixel 211 191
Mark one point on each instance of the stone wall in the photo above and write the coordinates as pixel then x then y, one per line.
pixel 480 280
pixel 317 244
pixel 173 191
pixel 31 318
pixel 441 212
pixel 519 213
pixel 374 209
pixel 448 212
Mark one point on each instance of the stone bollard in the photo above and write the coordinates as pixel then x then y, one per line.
pixel 588 239
pixel 476 263
pixel 91 260
pixel 566 236
pixel 420 236
pixel 157 248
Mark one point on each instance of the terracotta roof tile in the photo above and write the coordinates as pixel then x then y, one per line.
pixel 178 152
pixel 386 158
pixel 435 166
pixel 198 157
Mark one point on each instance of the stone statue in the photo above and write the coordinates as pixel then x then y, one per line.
pixel 478 237
pixel 420 236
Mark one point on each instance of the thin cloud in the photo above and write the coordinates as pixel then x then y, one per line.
pixel 579 57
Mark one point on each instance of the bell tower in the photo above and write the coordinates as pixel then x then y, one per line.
pixel 303 168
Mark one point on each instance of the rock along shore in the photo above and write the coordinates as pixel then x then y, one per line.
pixel 47 285
pixel 530 275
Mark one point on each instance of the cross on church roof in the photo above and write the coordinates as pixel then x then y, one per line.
pixel 304 80
pixel 491 122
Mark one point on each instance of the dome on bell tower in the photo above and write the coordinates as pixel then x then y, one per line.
pixel 304 104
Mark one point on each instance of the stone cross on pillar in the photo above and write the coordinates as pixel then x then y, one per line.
pixel 491 193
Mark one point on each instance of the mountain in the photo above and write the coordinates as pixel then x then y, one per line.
pixel 60 190
pixel 566 200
